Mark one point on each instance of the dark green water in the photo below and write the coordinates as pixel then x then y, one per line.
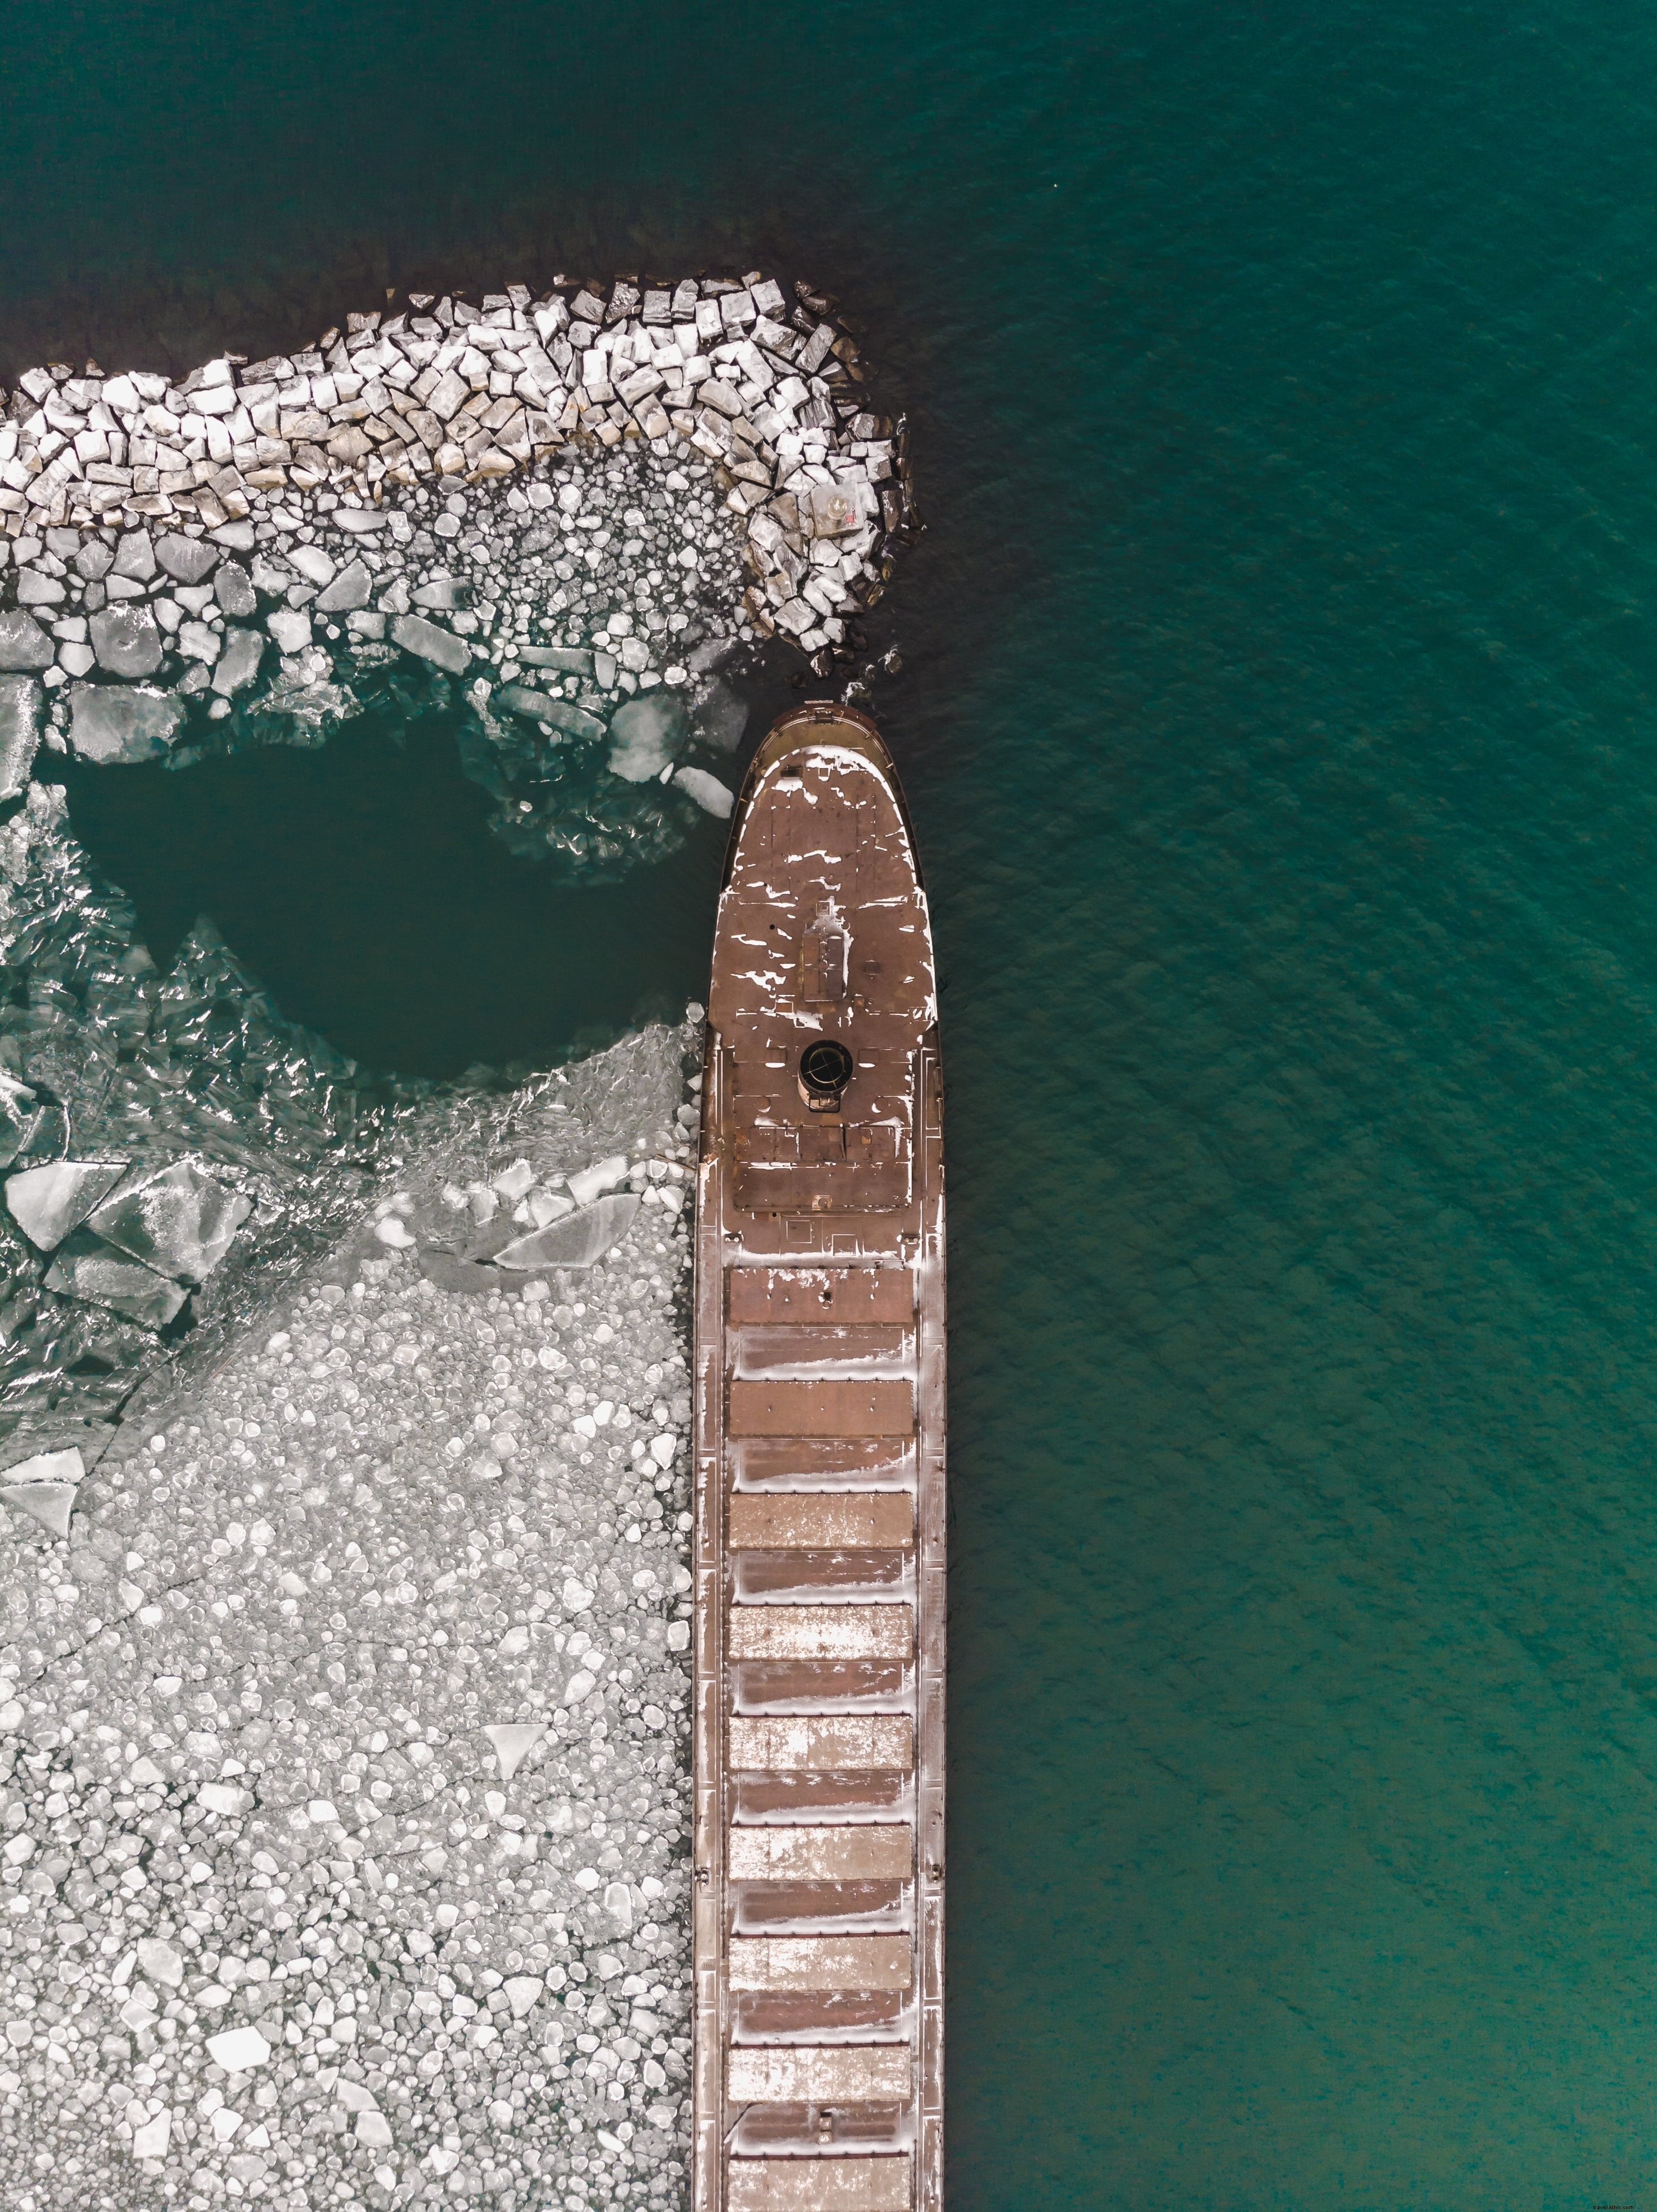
pixel 1278 718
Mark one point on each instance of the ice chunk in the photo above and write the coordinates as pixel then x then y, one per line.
pixel 443 594
pixel 513 1746
pixel 291 628
pixel 88 1269
pixel 110 726
pixel 47 1203
pixel 181 1221
pixel 721 717
pixel 232 588
pixel 55 1466
pixel 313 563
pixel 350 588
pixel 18 1112
pixel 619 1905
pixel 603 1174
pixel 186 560
pixel 574 659
pixel 135 557
pixel 709 792
pixel 578 1240
pixel 441 647
pixel 150 2141
pixel 159 1962
pixel 44 1487
pixel 20 732
pixel 448 1273
pixel 514 1182
pixel 125 639
pixel 523 1993
pixel 577 1597
pixel 555 714
pixel 239 2050
pixel 222 1797
pixel 23 644
pixel 238 663
pixel 644 735
pixel 374 2128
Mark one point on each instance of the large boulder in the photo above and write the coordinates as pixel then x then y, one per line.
pixel 121 726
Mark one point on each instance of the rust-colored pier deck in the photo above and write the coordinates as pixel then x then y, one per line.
pixel 819 1506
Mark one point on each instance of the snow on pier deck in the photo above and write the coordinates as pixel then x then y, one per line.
pixel 820 1502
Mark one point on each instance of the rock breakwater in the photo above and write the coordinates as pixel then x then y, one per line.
pixel 551 507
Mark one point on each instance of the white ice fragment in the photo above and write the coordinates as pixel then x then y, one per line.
pixel 224 2124
pixel 144 1774
pixel 662 1449
pixel 354 2096
pixel 316 566
pixel 239 2050
pixel 678 1635
pixel 47 1202
pixel 710 793
pixel 619 1905
pixel 320 1812
pixel 374 2128
pixel 516 1180
pixel 523 1993
pixel 603 1175
pixel 44 1488
pixel 160 1962
pixel 150 2141
pixel 580 1684
pixel 515 1640
pixel 577 1597
pixel 394 1231
pixel 588 1877
pixel 223 1797
pixel 513 1745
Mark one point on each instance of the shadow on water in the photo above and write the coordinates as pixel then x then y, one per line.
pixel 361 883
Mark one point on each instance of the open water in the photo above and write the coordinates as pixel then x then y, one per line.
pixel 1278 718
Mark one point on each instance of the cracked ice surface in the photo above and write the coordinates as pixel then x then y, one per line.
pixel 343 1740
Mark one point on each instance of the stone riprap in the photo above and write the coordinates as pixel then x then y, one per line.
pixel 558 503
pixel 342 1720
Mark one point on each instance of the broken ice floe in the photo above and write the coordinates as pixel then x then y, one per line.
pixel 571 508
pixel 164 1139
pixel 344 1736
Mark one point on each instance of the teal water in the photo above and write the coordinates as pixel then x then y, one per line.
pixel 1277 716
